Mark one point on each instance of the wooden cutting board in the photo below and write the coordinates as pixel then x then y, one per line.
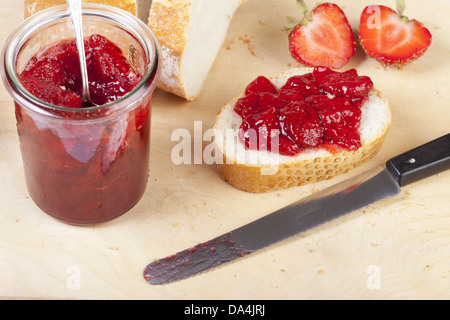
pixel 398 248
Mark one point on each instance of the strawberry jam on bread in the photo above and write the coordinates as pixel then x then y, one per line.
pixel 301 126
pixel 316 109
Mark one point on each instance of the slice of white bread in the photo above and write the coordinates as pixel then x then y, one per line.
pixel 139 8
pixel 191 33
pixel 261 171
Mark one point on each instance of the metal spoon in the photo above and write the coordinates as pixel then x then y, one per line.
pixel 75 13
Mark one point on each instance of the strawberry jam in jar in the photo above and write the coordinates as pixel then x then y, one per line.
pixel 84 163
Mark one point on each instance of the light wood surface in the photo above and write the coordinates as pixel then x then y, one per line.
pixel 398 248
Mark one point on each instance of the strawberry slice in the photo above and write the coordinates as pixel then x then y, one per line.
pixel 390 37
pixel 323 37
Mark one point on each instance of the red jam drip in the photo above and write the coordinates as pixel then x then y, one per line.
pixel 54 74
pixel 318 109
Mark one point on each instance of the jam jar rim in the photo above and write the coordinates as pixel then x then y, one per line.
pixel 18 38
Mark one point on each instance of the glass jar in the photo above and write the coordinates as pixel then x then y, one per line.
pixel 87 165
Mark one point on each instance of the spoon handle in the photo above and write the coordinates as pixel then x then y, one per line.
pixel 75 13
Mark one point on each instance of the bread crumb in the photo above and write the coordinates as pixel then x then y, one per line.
pixel 250 47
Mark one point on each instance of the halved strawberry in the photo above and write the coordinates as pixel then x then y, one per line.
pixel 323 37
pixel 390 37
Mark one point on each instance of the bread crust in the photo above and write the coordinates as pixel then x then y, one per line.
pixel 34 6
pixel 257 178
pixel 169 21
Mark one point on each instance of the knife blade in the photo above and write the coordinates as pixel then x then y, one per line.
pixel 321 207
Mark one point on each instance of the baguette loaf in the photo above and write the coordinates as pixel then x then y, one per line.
pixel 261 171
pixel 139 8
pixel 191 33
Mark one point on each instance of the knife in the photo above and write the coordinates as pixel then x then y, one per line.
pixel 328 204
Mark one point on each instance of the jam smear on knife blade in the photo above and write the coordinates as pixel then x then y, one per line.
pixel 199 258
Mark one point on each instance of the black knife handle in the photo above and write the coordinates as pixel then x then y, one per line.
pixel 421 162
